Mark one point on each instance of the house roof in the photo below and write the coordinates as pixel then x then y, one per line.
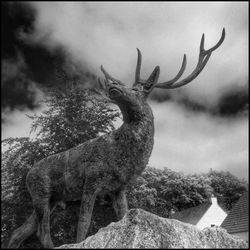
pixel 238 218
pixel 192 215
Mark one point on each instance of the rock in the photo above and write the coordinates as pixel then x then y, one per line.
pixel 141 229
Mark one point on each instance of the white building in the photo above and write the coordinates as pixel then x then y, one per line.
pixel 207 214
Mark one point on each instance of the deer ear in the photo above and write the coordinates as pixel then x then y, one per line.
pixel 152 80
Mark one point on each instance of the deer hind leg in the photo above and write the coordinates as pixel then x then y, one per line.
pixel 23 232
pixel 42 209
pixel 86 209
pixel 120 204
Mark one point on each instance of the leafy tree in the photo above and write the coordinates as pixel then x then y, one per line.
pixel 227 187
pixel 159 191
pixel 185 191
pixel 73 117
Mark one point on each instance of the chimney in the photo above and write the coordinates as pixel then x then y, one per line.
pixel 213 199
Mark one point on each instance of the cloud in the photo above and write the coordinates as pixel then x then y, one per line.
pixel 11 68
pixel 95 33
pixel 17 124
pixel 195 142
pixel 19 91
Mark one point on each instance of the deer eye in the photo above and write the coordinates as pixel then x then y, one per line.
pixel 147 87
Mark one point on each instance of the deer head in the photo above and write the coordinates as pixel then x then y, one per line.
pixel 132 100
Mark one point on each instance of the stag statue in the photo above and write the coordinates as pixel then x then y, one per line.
pixel 106 164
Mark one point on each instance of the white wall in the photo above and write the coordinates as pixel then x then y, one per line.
pixel 214 215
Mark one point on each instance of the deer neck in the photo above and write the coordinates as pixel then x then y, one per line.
pixel 137 131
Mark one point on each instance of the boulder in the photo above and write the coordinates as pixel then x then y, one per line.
pixel 141 229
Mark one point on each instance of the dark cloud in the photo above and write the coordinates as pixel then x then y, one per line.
pixel 28 68
pixel 16 17
pixel 234 102
pixel 17 88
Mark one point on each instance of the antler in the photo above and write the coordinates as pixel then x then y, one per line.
pixel 203 59
pixel 108 76
pixel 138 67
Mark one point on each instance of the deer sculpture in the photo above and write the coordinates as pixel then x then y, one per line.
pixel 105 164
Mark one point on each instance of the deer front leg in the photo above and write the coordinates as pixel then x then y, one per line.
pixel 87 204
pixel 120 204
pixel 43 212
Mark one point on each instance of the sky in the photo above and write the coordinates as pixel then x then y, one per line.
pixel 200 126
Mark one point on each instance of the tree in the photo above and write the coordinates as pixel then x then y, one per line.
pixel 185 191
pixel 158 191
pixel 227 187
pixel 74 116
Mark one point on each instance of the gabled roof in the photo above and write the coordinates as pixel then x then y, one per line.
pixel 192 215
pixel 238 218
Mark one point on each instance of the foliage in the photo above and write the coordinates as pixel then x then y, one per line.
pixel 158 191
pixel 73 117
pixel 227 187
